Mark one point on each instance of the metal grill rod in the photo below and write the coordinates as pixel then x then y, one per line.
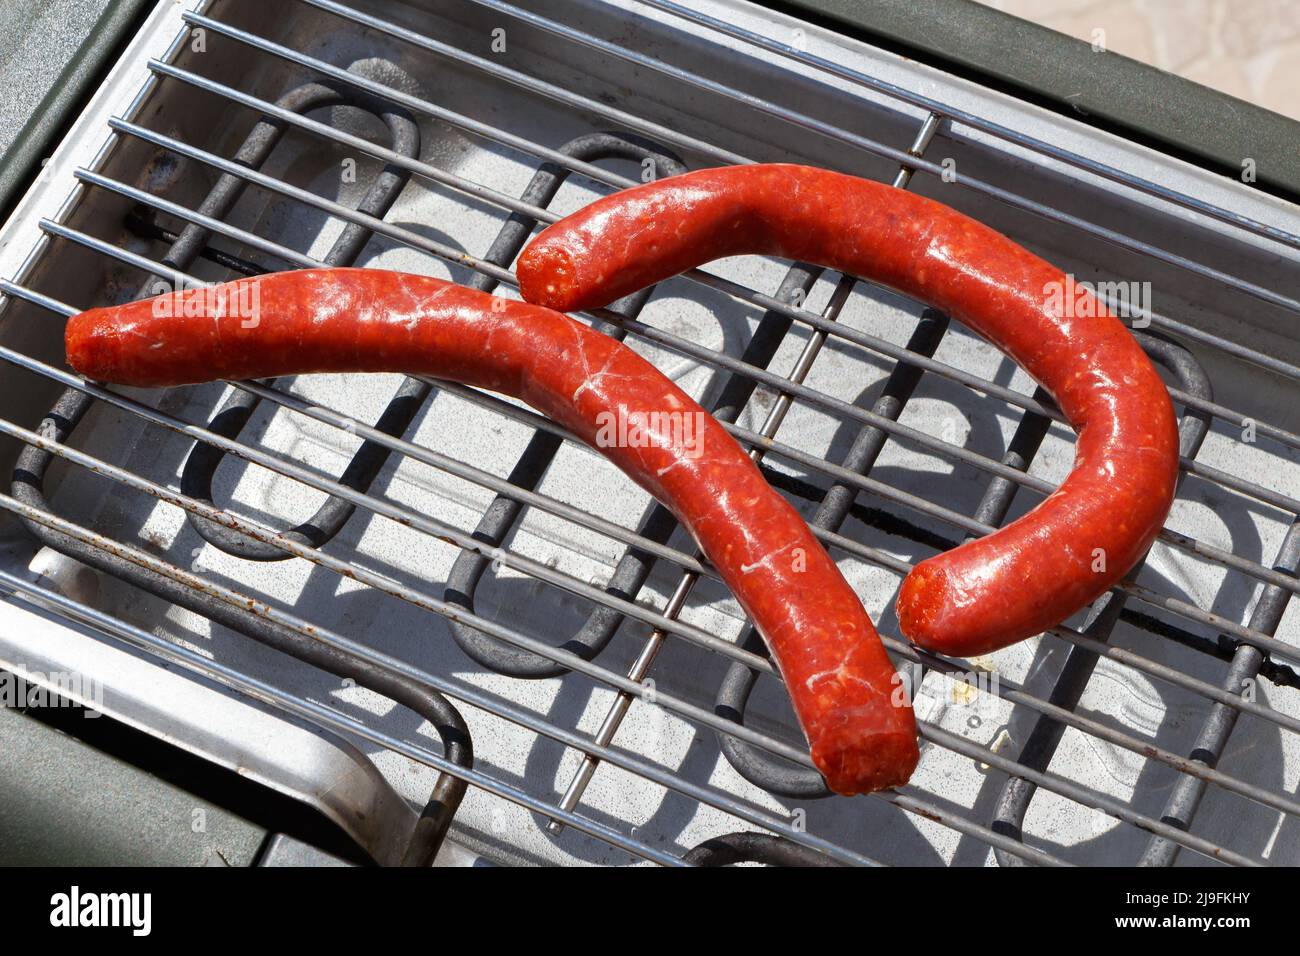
pixel 1192 768
pixel 701 637
pixel 1060 631
pixel 1141 593
pixel 459 690
pixel 458 469
pixel 313 712
pixel 736 688
pixel 501 515
pixel 1010 691
pixel 193 506
pixel 1274 498
pixel 524 416
pixel 367 576
pixel 382 582
pixel 837 472
pixel 1070 681
pixel 783 749
pixel 772 423
pixel 730 288
pixel 203 461
pixel 681 345
pixel 1190 465
pixel 686 584
pixel 431 526
pixel 1187 794
pixel 434 820
pixel 737 685
pixel 1053 782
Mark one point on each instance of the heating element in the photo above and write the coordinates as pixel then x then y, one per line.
pixel 526 645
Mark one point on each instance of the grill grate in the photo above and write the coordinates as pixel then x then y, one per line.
pixel 768 760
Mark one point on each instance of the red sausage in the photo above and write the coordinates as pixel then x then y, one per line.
pixel 843 687
pixel 1023 578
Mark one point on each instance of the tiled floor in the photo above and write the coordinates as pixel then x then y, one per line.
pixel 1247 48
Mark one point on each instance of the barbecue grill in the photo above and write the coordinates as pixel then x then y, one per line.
pixel 460 635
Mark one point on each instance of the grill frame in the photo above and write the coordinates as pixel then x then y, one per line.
pixel 1007 477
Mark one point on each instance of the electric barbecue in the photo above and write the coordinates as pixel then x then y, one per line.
pixel 429 616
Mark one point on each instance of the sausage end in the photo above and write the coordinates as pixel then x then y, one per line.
pixel 546 276
pixel 934 613
pixel 855 760
pixel 90 340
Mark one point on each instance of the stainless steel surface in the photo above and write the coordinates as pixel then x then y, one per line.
pixel 629 774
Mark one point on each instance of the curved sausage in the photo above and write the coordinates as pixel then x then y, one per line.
pixel 862 733
pixel 1040 569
